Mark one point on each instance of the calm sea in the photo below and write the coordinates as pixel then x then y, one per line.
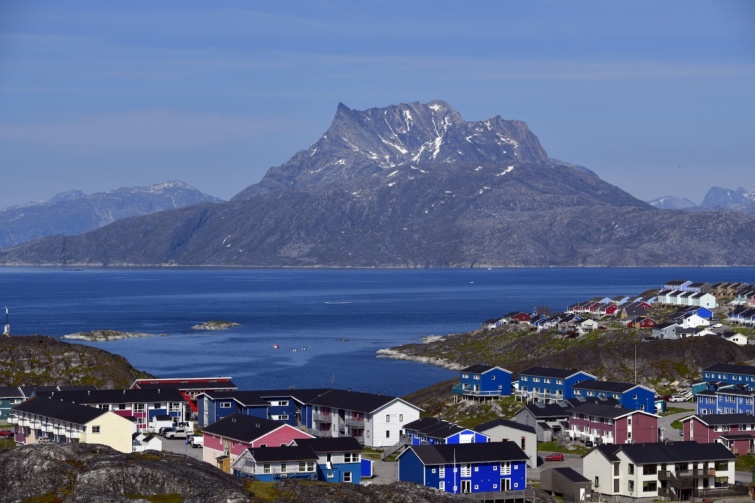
pixel 328 324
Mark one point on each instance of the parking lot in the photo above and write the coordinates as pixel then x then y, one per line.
pixel 179 446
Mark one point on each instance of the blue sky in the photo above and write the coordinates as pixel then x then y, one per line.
pixel 657 98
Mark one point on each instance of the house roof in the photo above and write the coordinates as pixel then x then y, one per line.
pixel 61 410
pixel 549 372
pixel 326 444
pixel 601 410
pixel 191 385
pixel 434 427
pixel 480 368
pixel 242 427
pixel 571 475
pixel 283 453
pixel 116 395
pixel 731 368
pixel 612 386
pixel 737 436
pixel 722 419
pixel 163 417
pixel 481 428
pixel 467 453
pixel 354 400
pixel 674 452
pixel 245 398
pixel 607 450
pixel 10 392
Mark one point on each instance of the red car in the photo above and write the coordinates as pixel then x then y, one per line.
pixel 6 434
pixel 556 456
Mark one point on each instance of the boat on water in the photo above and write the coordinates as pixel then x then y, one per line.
pixel 276 346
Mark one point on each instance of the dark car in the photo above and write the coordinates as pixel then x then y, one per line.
pixel 588 443
pixel 6 433
pixel 556 456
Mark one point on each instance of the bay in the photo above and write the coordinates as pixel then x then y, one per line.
pixel 327 323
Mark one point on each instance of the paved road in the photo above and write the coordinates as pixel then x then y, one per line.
pixel 179 446
pixel 664 422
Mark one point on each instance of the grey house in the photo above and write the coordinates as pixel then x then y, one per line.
pixel 566 482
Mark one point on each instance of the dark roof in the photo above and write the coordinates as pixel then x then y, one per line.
pixel 285 453
pixel 10 392
pixel 241 427
pixel 675 452
pixel 731 368
pixel 116 395
pixel 467 453
pixel 737 436
pixel 57 409
pixel 571 475
pixel 723 419
pixel 549 410
pixel 434 428
pixel 481 428
pixel 548 372
pixel 612 386
pixel 245 398
pixel 481 368
pixel 326 444
pixel 163 417
pixel 600 410
pixel 352 400
pixel 609 451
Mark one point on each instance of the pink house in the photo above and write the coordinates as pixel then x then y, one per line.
pixel 735 431
pixel 612 424
pixel 227 439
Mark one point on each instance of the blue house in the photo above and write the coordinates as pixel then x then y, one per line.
pixel 212 406
pixel 430 430
pixel 482 382
pixel 492 467
pixel 544 384
pixel 727 373
pixel 630 396
pixel 323 459
pixel 10 396
pixel 726 401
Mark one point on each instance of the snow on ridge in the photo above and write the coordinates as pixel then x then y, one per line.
pixel 394 173
pixel 438 142
pixel 506 171
pixel 435 107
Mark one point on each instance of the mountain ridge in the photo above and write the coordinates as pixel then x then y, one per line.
pixel 414 185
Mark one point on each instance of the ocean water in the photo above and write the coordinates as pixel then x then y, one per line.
pixel 327 324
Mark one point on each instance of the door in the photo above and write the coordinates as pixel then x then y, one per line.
pixel 466 486
pixel 505 484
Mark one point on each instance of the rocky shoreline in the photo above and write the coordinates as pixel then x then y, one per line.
pixel 104 335
pixel 396 354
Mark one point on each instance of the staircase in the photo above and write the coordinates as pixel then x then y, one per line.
pixel 394 448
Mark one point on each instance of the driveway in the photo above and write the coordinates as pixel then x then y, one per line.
pixel 664 422
pixel 573 461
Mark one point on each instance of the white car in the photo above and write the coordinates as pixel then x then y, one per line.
pixel 676 398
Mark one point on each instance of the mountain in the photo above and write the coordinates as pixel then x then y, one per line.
pixel 672 203
pixel 415 185
pixel 730 200
pixel 74 212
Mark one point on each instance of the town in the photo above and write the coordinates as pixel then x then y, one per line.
pixel 573 434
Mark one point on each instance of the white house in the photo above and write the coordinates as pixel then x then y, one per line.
pixel 141 442
pixel 674 470
pixel 736 338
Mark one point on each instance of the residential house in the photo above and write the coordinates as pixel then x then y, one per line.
pixel 323 459
pixel 726 400
pixel 480 382
pixel 633 309
pixel 742 315
pixel 189 387
pixel 430 430
pixel 517 318
pixel 631 396
pixel 374 420
pixel 607 424
pixel 550 384
pixel 550 420
pixel 10 396
pixel 736 338
pixel 142 404
pixel 735 431
pixel 226 439
pixel 646 472
pixel 729 373
pixel 676 284
pixel 141 442
pixel 492 467
pixel 567 483
pixel 42 420
pixel 665 330
pixel 503 430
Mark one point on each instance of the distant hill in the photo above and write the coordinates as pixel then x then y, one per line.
pixel 730 200
pixel 672 203
pixel 73 212
pixel 414 185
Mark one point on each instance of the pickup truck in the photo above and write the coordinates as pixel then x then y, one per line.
pixel 177 433
pixel 196 441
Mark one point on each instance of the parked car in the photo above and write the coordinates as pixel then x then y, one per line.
pixel 676 398
pixel 6 433
pixel 164 431
pixel 556 456
pixel 196 441
pixel 176 433
pixel 588 443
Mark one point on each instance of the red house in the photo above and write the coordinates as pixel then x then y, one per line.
pixel 612 424
pixel 227 439
pixel 735 431
pixel 189 387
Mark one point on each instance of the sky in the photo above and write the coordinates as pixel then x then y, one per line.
pixel 657 98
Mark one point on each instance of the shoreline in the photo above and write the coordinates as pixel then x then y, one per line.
pixel 437 362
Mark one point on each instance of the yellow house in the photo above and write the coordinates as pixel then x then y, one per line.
pixel 47 420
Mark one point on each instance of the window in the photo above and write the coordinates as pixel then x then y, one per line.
pixel 95 429
pixel 138 407
pixel 722 465
pixel 722 482
pixel 559 381
pixel 477 377
pixel 302 466
pixel 283 467
pixel 631 469
pixel 465 376
pixel 596 483
pixel 225 405
pixel 14 400
pixel 547 381
pixel 121 406
pixel 351 457
pixel 466 470
pixel 442 472
pixel 506 468
pixel 649 486
pixel 330 475
pixel 522 443
pixel 387 418
pixel 266 468
pixel 492 378
pixel 649 469
pixel 158 406
pixel 387 433
pixel 630 486
pixel 347 476
pixel 400 418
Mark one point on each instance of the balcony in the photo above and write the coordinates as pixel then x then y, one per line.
pixel 320 433
pixel 466 390
pixel 322 418
pixel 355 422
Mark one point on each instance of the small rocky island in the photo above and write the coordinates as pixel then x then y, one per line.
pixel 104 335
pixel 215 325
